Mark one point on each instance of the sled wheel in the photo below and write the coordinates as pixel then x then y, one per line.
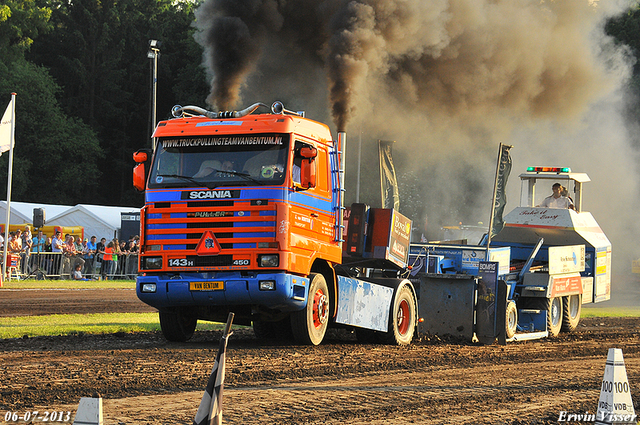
pixel 310 324
pixel 554 315
pixel 511 318
pixel 571 309
pixel 177 327
pixel 402 318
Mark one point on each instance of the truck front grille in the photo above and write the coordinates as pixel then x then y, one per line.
pixel 235 224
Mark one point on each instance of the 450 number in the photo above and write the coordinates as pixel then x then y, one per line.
pixel 241 262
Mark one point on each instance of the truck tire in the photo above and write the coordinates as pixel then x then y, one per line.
pixel 571 309
pixel 279 330
pixel 176 326
pixel 402 318
pixel 283 330
pixel 310 324
pixel 554 314
pixel 263 330
pixel 511 319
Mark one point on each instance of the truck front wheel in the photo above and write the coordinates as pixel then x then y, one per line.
pixel 310 324
pixel 176 326
pixel 571 309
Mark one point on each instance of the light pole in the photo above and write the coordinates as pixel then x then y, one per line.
pixel 153 53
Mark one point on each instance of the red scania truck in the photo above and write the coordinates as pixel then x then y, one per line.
pixel 244 212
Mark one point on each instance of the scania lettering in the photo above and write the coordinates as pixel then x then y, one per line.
pixel 210 194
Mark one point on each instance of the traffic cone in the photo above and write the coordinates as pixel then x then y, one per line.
pixel 615 405
pixel 89 412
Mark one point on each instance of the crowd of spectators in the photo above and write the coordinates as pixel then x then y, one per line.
pixel 79 259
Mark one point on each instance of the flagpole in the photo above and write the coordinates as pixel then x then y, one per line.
pixel 381 173
pixel 493 203
pixel 359 160
pixel 10 174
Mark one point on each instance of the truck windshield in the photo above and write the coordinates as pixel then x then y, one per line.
pixel 214 161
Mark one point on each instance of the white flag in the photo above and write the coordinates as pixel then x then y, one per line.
pixel 6 124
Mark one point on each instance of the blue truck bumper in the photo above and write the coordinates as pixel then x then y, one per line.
pixel 279 291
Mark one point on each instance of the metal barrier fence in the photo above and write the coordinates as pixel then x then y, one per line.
pixel 56 265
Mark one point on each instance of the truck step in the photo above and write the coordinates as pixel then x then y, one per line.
pixel 529 311
pixel 535 288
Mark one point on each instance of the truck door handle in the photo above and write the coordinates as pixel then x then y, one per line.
pixel 315 215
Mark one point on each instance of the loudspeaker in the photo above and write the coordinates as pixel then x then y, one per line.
pixel 38 217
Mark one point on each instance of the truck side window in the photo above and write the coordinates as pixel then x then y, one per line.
pixel 295 170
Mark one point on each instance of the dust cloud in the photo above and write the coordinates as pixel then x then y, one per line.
pixel 448 80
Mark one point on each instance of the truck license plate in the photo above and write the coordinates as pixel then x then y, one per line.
pixel 206 286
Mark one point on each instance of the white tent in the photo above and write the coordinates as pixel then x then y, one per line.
pixel 22 212
pixel 97 220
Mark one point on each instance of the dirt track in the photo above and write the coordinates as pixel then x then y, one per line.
pixel 144 380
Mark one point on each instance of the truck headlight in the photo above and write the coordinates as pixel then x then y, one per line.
pixel 148 287
pixel 152 263
pixel 268 260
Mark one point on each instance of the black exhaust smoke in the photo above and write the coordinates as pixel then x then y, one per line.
pixel 453 57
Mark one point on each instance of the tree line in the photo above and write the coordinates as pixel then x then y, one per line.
pixel 82 77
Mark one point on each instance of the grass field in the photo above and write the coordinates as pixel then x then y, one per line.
pixel 68 284
pixel 605 311
pixel 69 324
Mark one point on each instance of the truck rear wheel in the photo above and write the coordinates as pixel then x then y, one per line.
pixel 571 309
pixel 176 326
pixel 310 324
pixel 402 318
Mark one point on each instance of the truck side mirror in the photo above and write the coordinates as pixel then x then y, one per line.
pixel 140 156
pixel 308 152
pixel 139 176
pixel 308 167
pixel 308 173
